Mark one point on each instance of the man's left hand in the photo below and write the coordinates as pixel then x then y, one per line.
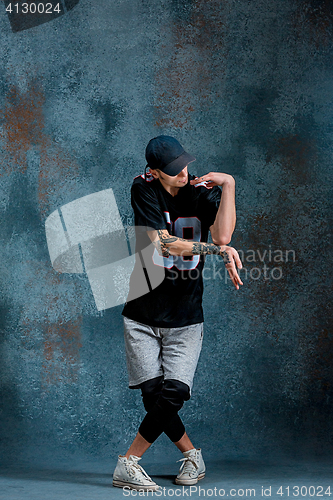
pixel 214 179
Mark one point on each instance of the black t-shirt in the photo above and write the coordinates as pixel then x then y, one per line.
pixel 177 301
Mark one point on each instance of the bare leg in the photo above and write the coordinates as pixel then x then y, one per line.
pixel 184 444
pixel 138 447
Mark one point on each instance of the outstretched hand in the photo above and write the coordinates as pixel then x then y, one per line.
pixel 232 262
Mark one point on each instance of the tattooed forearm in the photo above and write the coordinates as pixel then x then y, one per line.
pixel 167 238
pixel 209 248
pixel 167 245
pixel 163 240
pixel 161 248
pixel 205 249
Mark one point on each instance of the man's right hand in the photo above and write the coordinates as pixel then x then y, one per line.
pixel 232 262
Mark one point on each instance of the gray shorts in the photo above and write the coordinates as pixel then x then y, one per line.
pixel 152 352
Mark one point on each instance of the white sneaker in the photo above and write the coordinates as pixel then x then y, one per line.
pixel 192 469
pixel 129 473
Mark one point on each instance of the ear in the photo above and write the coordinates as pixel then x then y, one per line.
pixel 153 172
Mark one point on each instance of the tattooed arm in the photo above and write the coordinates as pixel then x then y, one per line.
pixel 167 244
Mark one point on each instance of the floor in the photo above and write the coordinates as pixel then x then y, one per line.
pixel 233 479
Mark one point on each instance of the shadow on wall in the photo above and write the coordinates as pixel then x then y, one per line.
pixel 11 422
pixel 23 15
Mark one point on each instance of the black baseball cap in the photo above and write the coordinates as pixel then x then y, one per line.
pixel 166 154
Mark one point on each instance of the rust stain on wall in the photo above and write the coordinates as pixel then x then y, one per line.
pixel 23 129
pixel 59 323
pixel 186 76
pixel 61 352
pixel 283 224
pixel 23 122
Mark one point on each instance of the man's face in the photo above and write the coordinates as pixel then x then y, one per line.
pixel 172 181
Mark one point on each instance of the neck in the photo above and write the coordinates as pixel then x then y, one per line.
pixel 170 189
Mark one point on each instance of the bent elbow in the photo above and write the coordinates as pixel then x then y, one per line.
pixel 222 240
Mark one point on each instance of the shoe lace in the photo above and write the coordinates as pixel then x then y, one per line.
pixel 187 465
pixel 135 469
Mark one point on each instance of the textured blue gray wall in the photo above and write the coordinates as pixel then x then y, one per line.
pixel 246 86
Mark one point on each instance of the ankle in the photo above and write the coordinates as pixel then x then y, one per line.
pixel 190 450
pixel 131 454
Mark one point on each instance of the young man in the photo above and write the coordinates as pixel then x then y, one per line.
pixel 164 327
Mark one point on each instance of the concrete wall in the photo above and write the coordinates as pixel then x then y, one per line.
pixel 246 86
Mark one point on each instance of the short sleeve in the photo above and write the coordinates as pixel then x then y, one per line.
pixel 147 209
pixel 209 204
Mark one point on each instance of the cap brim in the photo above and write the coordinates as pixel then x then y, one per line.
pixel 177 165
